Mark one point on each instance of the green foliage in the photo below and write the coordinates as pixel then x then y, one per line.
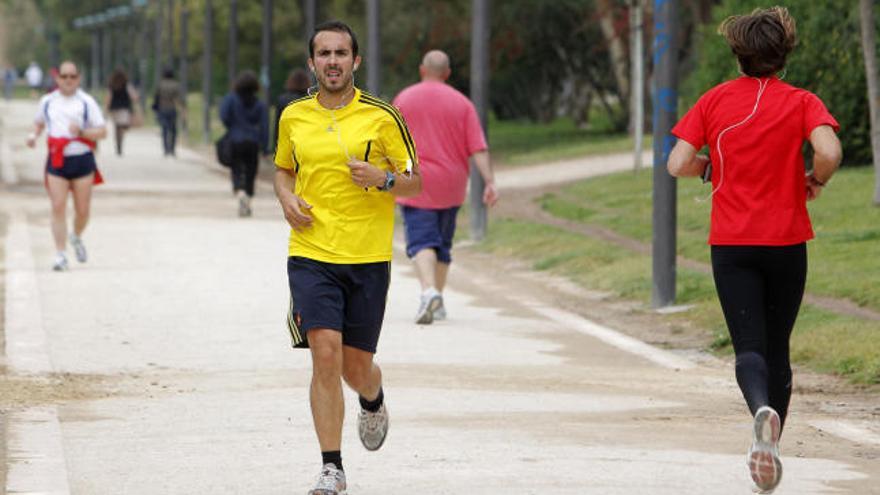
pixel 827 61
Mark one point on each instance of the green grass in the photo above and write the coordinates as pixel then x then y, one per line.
pixel 843 260
pixel 515 143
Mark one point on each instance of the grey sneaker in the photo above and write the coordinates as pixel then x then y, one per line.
pixel 430 302
pixel 440 313
pixel 373 427
pixel 765 467
pixel 243 209
pixel 79 248
pixel 331 481
pixel 60 263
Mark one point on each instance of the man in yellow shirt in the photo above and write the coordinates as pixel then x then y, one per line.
pixel 342 157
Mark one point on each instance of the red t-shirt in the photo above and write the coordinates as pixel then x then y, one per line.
pixel 446 131
pixel 761 192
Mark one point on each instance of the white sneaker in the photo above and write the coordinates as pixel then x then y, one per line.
pixel 431 300
pixel 440 313
pixel 765 467
pixel 78 248
pixel 60 263
pixel 373 427
pixel 331 481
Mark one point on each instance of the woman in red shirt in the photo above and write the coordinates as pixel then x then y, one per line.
pixel 755 127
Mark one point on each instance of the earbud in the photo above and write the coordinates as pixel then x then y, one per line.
pixel 355 67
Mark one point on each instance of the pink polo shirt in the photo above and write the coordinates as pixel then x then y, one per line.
pixel 446 131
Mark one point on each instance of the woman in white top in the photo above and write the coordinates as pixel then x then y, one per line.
pixel 74 123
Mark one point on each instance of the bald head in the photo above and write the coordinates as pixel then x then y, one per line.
pixel 435 66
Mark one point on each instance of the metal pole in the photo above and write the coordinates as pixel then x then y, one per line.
pixel 107 43
pixel 184 63
pixel 637 112
pixel 206 72
pixel 266 52
pixel 309 16
pixel 480 96
pixel 232 64
pixel 170 37
pixel 157 65
pixel 374 47
pixel 93 77
pixel 665 106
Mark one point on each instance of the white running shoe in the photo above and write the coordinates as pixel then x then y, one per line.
pixel 78 248
pixel 765 467
pixel 440 313
pixel 331 481
pixel 60 263
pixel 373 427
pixel 431 300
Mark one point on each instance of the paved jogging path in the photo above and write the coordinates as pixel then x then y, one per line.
pixel 177 320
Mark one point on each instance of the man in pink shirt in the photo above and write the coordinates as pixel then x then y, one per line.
pixel 447 133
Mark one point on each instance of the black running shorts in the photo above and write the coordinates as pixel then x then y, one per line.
pixel 74 167
pixel 349 298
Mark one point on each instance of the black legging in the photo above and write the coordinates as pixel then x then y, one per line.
pixel 760 289
pixel 245 156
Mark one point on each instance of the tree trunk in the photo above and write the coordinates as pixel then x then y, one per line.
pixel 869 48
pixel 616 48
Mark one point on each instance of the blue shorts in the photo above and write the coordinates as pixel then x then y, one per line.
pixel 74 167
pixel 426 228
pixel 349 298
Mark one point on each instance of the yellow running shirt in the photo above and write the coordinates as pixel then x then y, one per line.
pixel 350 225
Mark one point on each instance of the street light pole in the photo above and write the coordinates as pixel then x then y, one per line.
pixel 480 96
pixel 637 111
pixel 157 65
pixel 266 52
pixel 232 64
pixel 374 47
pixel 206 71
pixel 184 63
pixel 665 113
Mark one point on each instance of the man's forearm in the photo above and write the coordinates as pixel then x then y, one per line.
pixel 94 133
pixel 481 161
pixel 407 185
pixel 285 183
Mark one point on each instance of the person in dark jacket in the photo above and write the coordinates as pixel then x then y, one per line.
pixel 295 87
pixel 247 122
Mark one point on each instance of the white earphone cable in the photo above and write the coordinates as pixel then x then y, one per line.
pixel 762 85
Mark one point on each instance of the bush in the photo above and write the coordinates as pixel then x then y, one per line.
pixel 827 61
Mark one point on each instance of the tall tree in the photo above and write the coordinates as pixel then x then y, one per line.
pixel 869 48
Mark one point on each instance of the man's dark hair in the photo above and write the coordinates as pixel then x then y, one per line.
pixel 339 27
pixel 761 40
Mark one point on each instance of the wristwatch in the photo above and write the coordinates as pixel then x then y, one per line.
pixel 389 181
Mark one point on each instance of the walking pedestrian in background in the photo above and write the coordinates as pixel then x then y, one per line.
pixel 447 130
pixel 10 76
pixel 166 103
pixel 247 123
pixel 755 127
pixel 342 157
pixel 34 77
pixel 73 123
pixel 121 102
pixel 295 87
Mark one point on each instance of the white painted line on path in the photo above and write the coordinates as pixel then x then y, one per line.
pixel 611 337
pixel 26 350
pixel 848 431
pixel 35 455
